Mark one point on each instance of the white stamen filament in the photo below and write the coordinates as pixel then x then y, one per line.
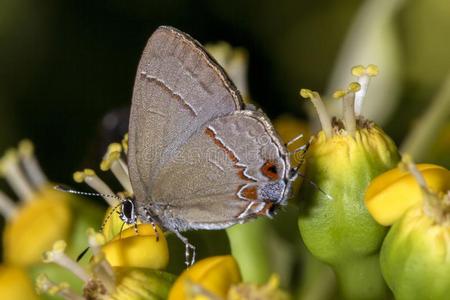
pixel 102 269
pixel 112 161
pixel 57 255
pixel 349 113
pixel 7 206
pixel 411 167
pixel 363 74
pixel 15 177
pixel 361 94
pixel 31 164
pixel 324 118
pixel 120 171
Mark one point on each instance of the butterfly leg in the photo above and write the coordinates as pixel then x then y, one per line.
pixel 189 247
pixel 135 228
pixel 150 219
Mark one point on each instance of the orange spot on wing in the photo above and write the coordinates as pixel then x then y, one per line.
pixel 242 175
pixel 270 170
pixel 250 192
pixel 219 143
pixel 229 154
pixel 267 210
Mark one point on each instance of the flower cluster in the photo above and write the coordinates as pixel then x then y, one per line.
pixel 379 221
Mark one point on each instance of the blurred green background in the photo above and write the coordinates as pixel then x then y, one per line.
pixel 65 64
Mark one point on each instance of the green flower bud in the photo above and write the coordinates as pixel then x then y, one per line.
pixel 415 257
pixel 334 223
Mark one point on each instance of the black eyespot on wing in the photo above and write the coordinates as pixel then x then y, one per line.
pixel 270 170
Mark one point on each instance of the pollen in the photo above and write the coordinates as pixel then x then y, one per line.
pixel 354 87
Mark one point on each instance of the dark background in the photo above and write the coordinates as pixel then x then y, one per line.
pixel 65 64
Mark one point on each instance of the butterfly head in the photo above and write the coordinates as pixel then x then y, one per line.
pixel 128 212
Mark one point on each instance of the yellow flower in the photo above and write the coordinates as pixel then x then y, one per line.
pixel 390 194
pixel 213 275
pixel 248 291
pixel 104 281
pixel 341 161
pixel 42 214
pixel 142 250
pixel 15 284
pixel 35 228
pixel 415 254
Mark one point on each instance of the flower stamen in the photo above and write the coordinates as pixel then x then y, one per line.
pixel 320 109
pixel 31 164
pixel 45 285
pixel 125 143
pixel 102 269
pixel 112 161
pixel 7 206
pixel 363 77
pixel 10 169
pixel 91 179
pixel 348 113
pixel 57 255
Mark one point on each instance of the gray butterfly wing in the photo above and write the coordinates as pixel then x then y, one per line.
pixel 233 169
pixel 178 88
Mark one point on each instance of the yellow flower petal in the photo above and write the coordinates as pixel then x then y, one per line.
pixel 250 291
pixel 36 227
pixel 15 284
pixel 393 192
pixel 142 250
pixel 214 274
pixel 141 284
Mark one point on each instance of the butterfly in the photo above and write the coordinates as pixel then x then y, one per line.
pixel 198 157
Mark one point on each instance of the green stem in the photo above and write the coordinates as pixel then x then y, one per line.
pixel 361 279
pixel 421 138
pixel 318 281
pixel 250 248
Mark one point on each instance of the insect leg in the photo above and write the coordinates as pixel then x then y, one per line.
pixel 150 219
pixel 189 246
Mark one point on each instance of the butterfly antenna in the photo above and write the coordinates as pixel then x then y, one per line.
pixel 299 149
pixel 80 256
pixel 109 216
pixel 296 171
pixel 315 185
pixel 121 229
pixel 66 189
pixel 294 140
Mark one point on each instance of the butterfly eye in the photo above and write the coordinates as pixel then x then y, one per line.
pixel 127 214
